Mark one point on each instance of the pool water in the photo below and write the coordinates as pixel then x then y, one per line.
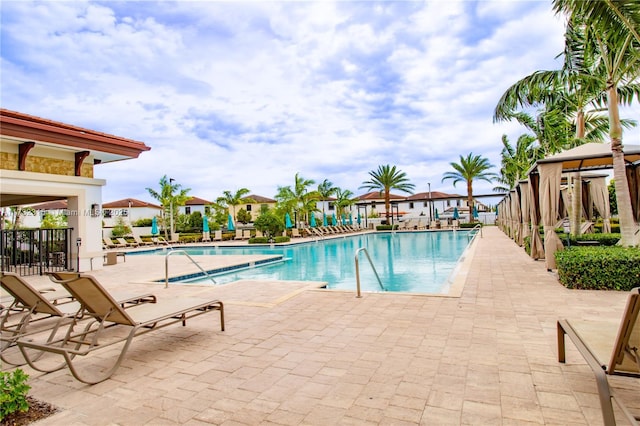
pixel 420 262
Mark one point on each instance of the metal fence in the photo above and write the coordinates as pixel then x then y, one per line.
pixel 35 251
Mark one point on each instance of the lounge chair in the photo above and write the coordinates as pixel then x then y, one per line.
pixel 586 227
pixel 108 243
pixel 615 343
pixel 160 241
pixel 295 233
pixel 126 243
pixel 246 234
pixel 141 242
pixel 217 235
pixel 239 235
pixel 106 314
pixel 33 308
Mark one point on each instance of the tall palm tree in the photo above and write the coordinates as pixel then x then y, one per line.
pixel 326 190
pixel 615 32
pixel 472 167
pixel 231 200
pixel 385 179
pixel 169 201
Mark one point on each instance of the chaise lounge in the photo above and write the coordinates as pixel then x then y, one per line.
pixel 599 342
pixel 107 315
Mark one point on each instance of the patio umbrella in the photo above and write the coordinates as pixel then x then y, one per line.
pixel 456 215
pixel 350 219
pixel 205 224
pixel 475 212
pixel 230 224
pixel 287 221
pixel 358 219
pixel 324 220
pixel 344 219
pixel 334 222
pixel 312 222
pixel 437 217
pixel 154 226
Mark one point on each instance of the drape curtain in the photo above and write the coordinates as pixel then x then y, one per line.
pixel 524 209
pixel 537 252
pixel 550 175
pixel 516 220
pixel 600 196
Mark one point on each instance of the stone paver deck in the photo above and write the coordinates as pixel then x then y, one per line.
pixel 294 354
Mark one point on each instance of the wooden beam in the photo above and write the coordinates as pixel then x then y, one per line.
pixel 80 156
pixel 24 149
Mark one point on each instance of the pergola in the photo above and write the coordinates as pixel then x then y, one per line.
pixel 538 199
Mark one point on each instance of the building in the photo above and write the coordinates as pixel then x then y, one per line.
pixel 130 210
pixel 43 160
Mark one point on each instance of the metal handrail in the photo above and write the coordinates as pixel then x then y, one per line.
pixel 166 266
pixel 358 271
pixel 478 226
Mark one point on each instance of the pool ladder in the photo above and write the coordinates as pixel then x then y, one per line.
pixel 363 249
pixel 166 266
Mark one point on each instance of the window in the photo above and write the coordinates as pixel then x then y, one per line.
pixel 448 203
pixel 207 209
pixel 248 207
pixel 332 206
pixel 187 210
pixel 425 204
pixel 373 205
pixel 106 212
pixel 410 205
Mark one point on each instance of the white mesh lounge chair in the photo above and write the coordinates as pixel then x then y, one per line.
pixel 107 315
pixel 608 348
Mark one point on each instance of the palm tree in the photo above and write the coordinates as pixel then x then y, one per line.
pixel 344 199
pixel 297 199
pixel 168 200
pixel 326 190
pixel 614 30
pixel 516 161
pixel 231 200
pixel 472 167
pixel 385 179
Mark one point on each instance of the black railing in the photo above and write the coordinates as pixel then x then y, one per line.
pixel 35 251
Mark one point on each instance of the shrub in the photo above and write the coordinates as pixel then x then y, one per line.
pixel 120 229
pixel 13 392
pixel 259 240
pixel 599 268
pixel 602 239
pixel 385 227
pixel 142 223
pixel 470 225
pixel 281 239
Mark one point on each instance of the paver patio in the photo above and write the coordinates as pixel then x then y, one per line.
pixel 294 354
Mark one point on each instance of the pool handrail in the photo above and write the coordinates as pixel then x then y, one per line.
pixel 478 226
pixel 364 249
pixel 166 266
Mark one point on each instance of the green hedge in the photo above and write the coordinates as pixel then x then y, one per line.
pixel 386 227
pixel 602 239
pixel 467 225
pixel 599 268
pixel 265 240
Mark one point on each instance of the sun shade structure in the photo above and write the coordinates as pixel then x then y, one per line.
pixel 538 200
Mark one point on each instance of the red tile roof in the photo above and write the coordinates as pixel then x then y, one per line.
pixel 125 204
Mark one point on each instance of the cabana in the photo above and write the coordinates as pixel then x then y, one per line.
pixel 546 175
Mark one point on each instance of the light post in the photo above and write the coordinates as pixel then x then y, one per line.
pixel 78 244
pixel 171 208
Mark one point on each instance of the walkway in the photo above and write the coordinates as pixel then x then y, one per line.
pixel 296 355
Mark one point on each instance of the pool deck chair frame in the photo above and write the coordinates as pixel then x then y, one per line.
pixel 598 342
pixel 108 314
pixel 31 308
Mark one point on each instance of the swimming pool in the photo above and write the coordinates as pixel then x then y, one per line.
pixel 419 262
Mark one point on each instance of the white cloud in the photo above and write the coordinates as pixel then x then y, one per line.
pixel 232 95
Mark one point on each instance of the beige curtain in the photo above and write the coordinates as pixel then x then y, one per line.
pixel 524 209
pixel 550 175
pixel 537 252
pixel 516 220
pixel 600 196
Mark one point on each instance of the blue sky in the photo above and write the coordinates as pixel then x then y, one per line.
pixel 247 94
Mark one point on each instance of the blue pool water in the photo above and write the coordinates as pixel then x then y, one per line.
pixel 418 262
